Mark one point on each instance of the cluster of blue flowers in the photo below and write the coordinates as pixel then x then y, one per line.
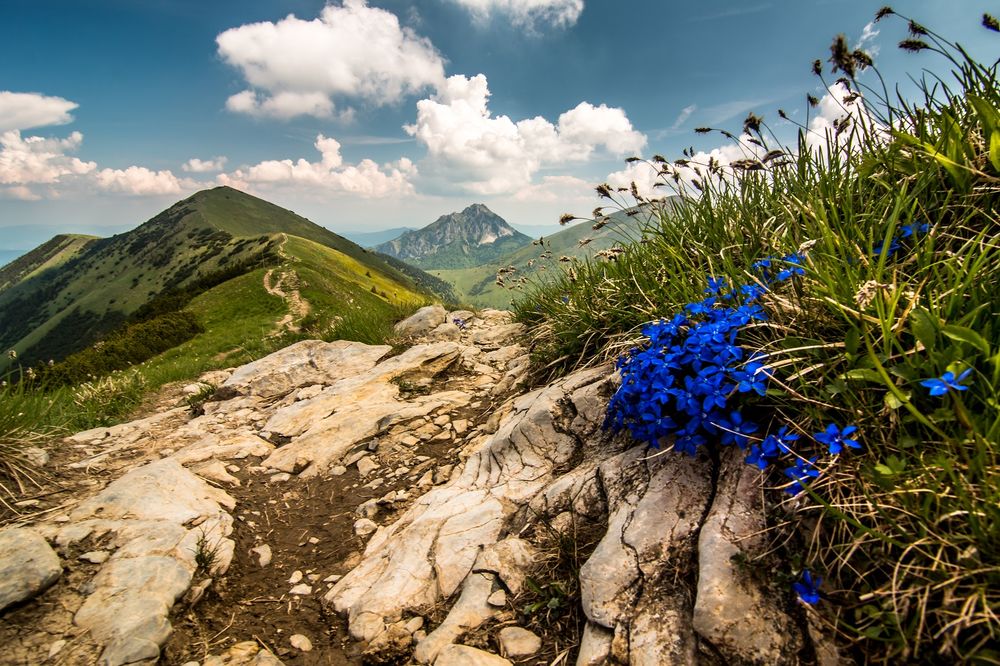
pixel 681 385
pixel 685 382
pixel 906 232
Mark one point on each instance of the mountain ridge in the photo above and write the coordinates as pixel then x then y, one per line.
pixel 55 312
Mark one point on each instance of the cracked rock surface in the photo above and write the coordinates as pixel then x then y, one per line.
pixel 390 508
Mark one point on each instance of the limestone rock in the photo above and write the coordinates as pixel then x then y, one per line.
pixel 743 621
pixel 300 365
pixel 421 322
pixel 263 553
pixel 247 653
pixel 519 642
pixel 655 506
pixel 427 553
pixel 446 331
pixel 300 642
pixel 463 655
pixel 28 565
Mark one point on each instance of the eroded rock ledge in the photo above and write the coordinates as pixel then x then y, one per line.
pixel 469 468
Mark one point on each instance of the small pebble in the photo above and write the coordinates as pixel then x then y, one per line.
pixel 300 642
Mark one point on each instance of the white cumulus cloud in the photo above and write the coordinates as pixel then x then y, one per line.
pixel 527 13
pixel 485 154
pixel 329 174
pixel 195 165
pixel 297 67
pixel 137 180
pixel 39 160
pixel 19 111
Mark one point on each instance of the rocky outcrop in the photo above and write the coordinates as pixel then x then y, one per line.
pixel 437 481
pixel 472 237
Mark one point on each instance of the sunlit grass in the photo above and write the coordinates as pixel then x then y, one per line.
pixel 906 533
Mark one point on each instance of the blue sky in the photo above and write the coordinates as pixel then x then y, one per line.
pixel 104 104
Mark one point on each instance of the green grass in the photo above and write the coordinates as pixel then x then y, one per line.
pixel 907 533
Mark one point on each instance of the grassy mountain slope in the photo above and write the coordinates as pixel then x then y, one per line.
pixel 537 262
pixel 63 309
pixel 51 254
pixel 464 239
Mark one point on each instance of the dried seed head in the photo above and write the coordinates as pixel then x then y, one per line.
pixel 862 59
pixel 917 30
pixel 840 56
pixel 817 67
pixel 813 100
pixel 882 13
pixel 659 159
pixel 782 114
pixel 630 160
pixel 702 130
pixel 603 191
pixel 566 218
pixel 991 23
pixel 913 45
pixel 752 123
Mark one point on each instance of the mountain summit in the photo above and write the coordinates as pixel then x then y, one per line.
pixel 472 237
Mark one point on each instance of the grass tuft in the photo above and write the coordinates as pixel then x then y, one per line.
pixel 895 209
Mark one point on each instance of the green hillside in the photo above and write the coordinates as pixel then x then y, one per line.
pixel 55 312
pixel 541 260
pixel 51 254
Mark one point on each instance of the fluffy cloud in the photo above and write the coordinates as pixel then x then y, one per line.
pixel 297 67
pixel 20 111
pixel 137 180
pixel 32 161
pixel 527 12
pixel 195 165
pixel 19 192
pixel 840 108
pixel 557 188
pixel 485 154
pixel 330 174
pixel 39 160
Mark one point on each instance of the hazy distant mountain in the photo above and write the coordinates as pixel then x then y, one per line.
pixel 373 238
pixel 544 257
pixel 69 292
pixel 472 237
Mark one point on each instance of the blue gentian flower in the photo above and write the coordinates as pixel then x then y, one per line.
pixel 458 321
pixel 808 588
pixel 751 292
pixel 908 230
pixel 894 247
pixel 947 381
pixel 734 429
pixel 716 285
pixel 752 377
pixel 802 470
pixel 836 439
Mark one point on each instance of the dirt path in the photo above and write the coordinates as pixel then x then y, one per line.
pixel 286 287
